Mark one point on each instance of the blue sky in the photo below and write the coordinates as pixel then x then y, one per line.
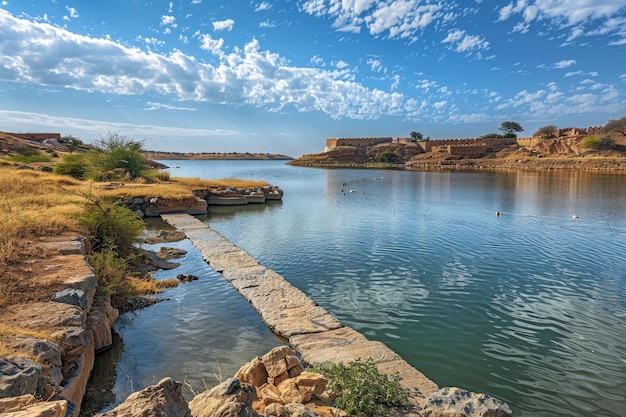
pixel 282 76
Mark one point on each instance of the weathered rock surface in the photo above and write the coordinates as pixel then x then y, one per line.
pixel 229 399
pixel 29 406
pixel 18 376
pixel 164 399
pixel 457 402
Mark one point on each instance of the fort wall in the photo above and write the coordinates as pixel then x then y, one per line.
pixel 39 137
pixel 333 143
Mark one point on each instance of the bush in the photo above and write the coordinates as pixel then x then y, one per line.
pixel 110 226
pixel 362 390
pixel 119 154
pixel 110 272
pixel 27 155
pixel 387 156
pixel 75 165
pixel 598 143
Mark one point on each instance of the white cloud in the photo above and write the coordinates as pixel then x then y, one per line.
pixel 72 13
pixel 262 6
pixel 247 76
pixel 196 1
pixel 375 65
pixel 210 44
pixel 267 24
pixel 460 41
pixel 162 106
pixel 564 63
pixel 223 25
pixel 402 19
pixel 168 20
pixel 569 13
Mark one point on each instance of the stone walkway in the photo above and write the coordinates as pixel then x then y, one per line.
pixel 315 333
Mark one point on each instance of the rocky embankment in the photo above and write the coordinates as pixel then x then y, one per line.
pixel 51 345
pixel 154 206
pixel 278 385
pixel 214 156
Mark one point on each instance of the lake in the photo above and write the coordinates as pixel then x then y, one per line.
pixel 528 306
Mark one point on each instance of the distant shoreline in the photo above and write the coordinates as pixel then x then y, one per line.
pixel 155 155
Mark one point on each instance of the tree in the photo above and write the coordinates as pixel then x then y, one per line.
pixel 546 130
pixel 416 135
pixel 618 125
pixel 510 127
pixel 70 142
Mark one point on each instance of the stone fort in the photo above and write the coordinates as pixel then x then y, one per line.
pixel 462 147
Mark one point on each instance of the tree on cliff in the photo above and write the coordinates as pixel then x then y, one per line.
pixel 618 125
pixel 510 127
pixel 416 135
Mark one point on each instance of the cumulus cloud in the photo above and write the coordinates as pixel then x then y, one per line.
pixel 168 20
pixel 247 76
pixel 223 25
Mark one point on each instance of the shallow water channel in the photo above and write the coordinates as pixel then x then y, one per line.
pixel 528 306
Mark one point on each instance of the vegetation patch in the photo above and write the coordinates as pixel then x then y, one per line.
pixel 361 390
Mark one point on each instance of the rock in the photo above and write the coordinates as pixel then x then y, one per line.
pixel 98 324
pixel 253 372
pixel 164 399
pixel 457 402
pixel 11 404
pixel 274 361
pixel 186 278
pixel 276 410
pixel 159 262
pixel 72 297
pixel 171 253
pixel 299 410
pixel 231 398
pixel 302 388
pixel 18 376
pixel 28 406
pixel 166 236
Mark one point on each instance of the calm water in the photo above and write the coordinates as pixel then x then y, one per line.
pixel 529 306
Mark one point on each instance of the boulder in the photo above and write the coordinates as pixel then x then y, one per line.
pixel 71 296
pixel 18 376
pixel 228 399
pixel 164 399
pixel 253 372
pixel 302 388
pixel 457 402
pixel 274 361
pixel 28 406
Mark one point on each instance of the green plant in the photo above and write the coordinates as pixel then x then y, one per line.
pixel 27 155
pixel 110 226
pixel 110 271
pixel 361 389
pixel 75 165
pixel 598 143
pixel 119 157
pixel 387 156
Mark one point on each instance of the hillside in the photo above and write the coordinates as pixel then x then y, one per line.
pixel 525 153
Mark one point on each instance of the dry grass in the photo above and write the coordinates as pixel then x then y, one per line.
pixel 197 183
pixel 151 286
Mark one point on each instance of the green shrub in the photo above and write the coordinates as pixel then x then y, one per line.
pixel 27 155
pixel 76 165
pixel 110 271
pixel 387 156
pixel 110 226
pixel 361 389
pixel 598 143
pixel 120 154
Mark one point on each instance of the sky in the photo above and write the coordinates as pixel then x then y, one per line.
pixel 283 76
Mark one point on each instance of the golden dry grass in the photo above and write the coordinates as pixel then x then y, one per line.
pixel 151 286
pixel 35 203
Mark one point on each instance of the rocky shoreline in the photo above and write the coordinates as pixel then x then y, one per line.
pixel 67 332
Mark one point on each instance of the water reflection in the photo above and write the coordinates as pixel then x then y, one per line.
pixel 529 306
